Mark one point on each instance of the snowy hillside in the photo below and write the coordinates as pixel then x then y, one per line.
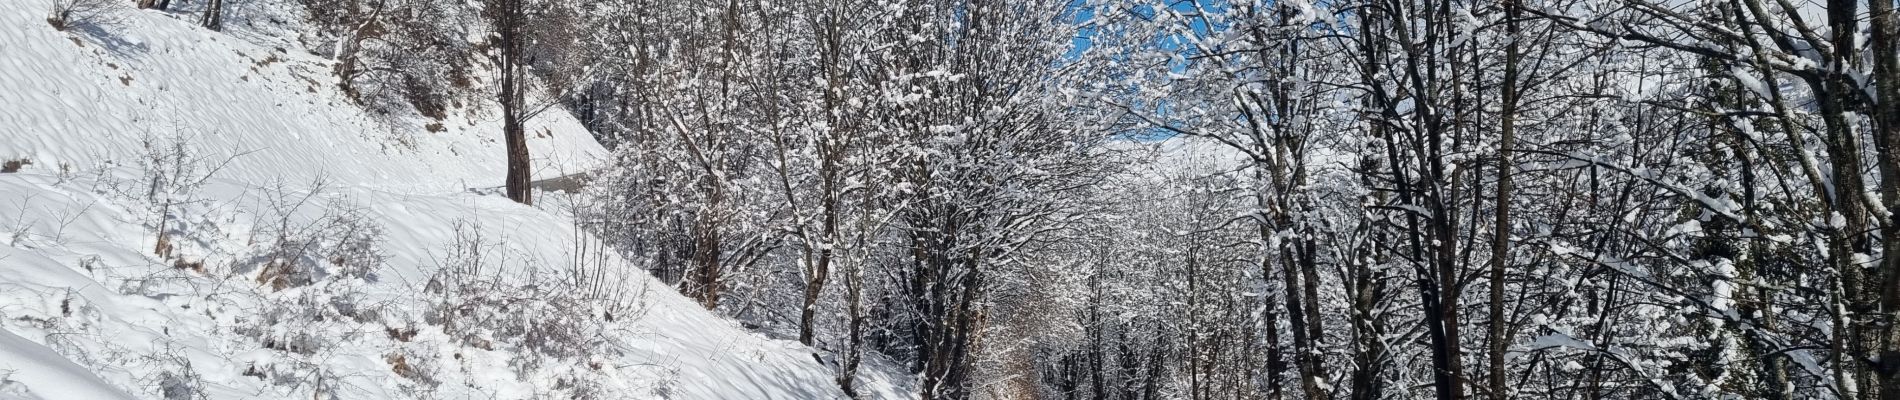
pixel 204 215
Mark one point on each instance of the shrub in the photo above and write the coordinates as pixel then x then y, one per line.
pixel 555 323
pixel 342 243
pixel 171 174
pixel 476 299
pixel 68 14
pixel 312 270
pixel 11 166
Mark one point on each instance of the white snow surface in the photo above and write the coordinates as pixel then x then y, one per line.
pixel 88 311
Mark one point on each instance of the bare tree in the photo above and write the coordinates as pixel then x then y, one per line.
pixel 509 20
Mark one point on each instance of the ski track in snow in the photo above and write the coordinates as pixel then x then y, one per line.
pixel 88 312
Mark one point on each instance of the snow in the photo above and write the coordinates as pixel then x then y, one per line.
pixel 1753 83
pixel 1557 340
pixel 87 311
pixel 95 92
pixel 33 366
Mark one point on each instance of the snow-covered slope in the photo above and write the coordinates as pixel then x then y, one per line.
pixel 88 95
pixel 266 155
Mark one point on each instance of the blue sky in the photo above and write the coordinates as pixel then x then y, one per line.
pixel 1084 11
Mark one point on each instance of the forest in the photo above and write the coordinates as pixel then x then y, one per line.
pixel 1213 199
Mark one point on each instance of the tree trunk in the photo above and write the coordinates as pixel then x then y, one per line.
pixel 1885 44
pixel 1276 364
pixel 1302 312
pixel 509 27
pixel 214 15
pixel 517 181
pixel 706 273
pixel 518 187
pixel 1501 240
pixel 814 285
pixel 854 341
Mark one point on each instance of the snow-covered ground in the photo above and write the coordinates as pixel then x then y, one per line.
pixel 239 148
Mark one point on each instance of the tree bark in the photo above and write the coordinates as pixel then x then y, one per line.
pixel 854 340
pixel 510 22
pixel 1885 43
pixel 1501 240
pixel 214 15
pixel 706 281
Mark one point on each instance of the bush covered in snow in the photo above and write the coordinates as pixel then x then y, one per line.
pixel 342 242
